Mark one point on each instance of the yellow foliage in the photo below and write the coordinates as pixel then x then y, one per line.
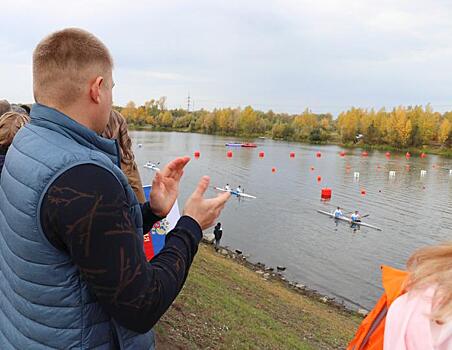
pixel 444 131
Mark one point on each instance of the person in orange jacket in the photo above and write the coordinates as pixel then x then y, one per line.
pixel 415 311
pixel 421 319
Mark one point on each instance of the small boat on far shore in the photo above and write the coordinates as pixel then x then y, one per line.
pixel 249 145
pixel 239 144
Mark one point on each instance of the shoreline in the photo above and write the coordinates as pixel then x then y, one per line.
pixel 268 273
pixel 227 304
pixel 447 152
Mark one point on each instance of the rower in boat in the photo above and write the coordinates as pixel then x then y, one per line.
pixel 338 213
pixel 239 192
pixel 355 217
pixel 358 223
pixel 227 187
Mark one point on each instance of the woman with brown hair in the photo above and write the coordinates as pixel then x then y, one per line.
pixel 10 123
pixel 422 317
pixel 117 129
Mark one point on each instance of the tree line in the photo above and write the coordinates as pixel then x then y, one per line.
pixel 401 127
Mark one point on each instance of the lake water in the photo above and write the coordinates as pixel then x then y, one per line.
pixel 282 227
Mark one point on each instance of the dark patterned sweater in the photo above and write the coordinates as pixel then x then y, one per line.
pixel 85 213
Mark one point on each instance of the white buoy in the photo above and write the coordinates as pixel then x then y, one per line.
pixel 423 172
pixel 392 173
pixel 139 145
pixel 356 175
pixel 450 172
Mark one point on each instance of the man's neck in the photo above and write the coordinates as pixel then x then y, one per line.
pixel 76 113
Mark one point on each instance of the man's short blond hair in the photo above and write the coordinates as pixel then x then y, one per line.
pixel 63 63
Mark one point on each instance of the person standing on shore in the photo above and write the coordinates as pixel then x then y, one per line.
pixel 218 233
pixel 73 273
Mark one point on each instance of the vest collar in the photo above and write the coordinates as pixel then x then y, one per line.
pixel 53 119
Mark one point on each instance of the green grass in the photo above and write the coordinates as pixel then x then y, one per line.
pixel 225 305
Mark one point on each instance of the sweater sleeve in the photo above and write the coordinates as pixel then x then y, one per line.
pixel 85 213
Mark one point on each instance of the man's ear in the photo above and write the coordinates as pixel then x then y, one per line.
pixel 95 89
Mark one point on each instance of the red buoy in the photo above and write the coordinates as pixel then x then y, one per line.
pixel 197 154
pixel 292 154
pixel 261 154
pixel 388 154
pixel 273 170
pixel 408 155
pixel 318 154
pixel 423 155
pixel 319 178
pixel 363 192
pixel 325 194
pixel 365 154
pixel 342 154
pixel 229 154
pixel 312 168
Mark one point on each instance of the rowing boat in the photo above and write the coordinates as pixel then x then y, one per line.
pixel 233 144
pixel 346 219
pixel 152 166
pixel 235 193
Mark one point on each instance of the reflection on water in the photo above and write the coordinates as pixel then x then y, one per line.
pixel 282 227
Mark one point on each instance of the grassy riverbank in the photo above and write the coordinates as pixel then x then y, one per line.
pixel 225 305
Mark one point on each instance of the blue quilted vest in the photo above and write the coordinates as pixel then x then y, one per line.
pixel 44 303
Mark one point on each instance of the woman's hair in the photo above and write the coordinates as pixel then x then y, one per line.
pixel 432 266
pixel 10 123
pixel 117 129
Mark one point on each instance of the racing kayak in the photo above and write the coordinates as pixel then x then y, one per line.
pixel 346 219
pixel 151 166
pixel 235 193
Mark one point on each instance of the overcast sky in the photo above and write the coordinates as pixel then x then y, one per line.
pixel 282 55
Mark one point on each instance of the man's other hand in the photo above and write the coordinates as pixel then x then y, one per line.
pixel 205 211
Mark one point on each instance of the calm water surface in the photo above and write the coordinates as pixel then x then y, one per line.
pixel 282 227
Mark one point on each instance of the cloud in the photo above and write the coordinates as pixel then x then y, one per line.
pixel 290 54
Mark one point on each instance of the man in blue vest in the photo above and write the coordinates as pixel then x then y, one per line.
pixel 73 274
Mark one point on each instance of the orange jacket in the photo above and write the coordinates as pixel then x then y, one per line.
pixel 371 331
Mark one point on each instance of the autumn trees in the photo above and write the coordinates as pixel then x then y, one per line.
pixel 402 127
